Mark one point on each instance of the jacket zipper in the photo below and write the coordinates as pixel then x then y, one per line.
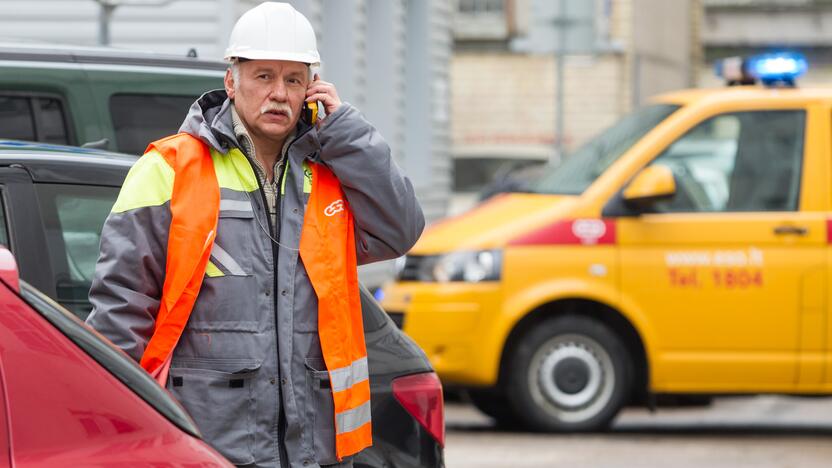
pixel 278 209
pixel 275 232
pixel 281 421
pixel 281 416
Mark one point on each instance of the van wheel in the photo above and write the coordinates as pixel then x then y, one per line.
pixel 494 404
pixel 569 374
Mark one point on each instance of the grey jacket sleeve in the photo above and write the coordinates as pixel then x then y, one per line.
pixel 129 275
pixel 388 217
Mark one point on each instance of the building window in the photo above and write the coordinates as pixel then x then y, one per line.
pixel 480 6
pixel 481 20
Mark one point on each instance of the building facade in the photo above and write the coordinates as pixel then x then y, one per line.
pixel 746 27
pixel 390 58
pixel 615 54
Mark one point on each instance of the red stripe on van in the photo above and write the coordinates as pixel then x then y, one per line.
pixel 829 231
pixel 571 232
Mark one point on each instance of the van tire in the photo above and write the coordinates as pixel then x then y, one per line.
pixel 569 374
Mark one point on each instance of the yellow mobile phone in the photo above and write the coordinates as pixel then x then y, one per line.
pixel 309 113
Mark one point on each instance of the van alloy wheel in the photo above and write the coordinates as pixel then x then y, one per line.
pixel 571 377
pixel 570 373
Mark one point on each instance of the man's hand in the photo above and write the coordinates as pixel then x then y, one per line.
pixel 325 93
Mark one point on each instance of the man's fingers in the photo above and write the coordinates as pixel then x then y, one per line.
pixel 323 97
pixel 319 87
pixel 320 83
pixel 319 92
pixel 323 92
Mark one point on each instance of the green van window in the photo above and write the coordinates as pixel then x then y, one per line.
pixel 17 120
pixel 33 118
pixel 139 119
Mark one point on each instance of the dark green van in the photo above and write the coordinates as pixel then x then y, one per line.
pixel 97 97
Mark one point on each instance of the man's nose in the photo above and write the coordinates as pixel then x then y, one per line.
pixel 279 92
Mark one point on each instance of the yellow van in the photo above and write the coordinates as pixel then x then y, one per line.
pixel 685 250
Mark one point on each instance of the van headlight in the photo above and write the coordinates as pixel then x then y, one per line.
pixel 468 266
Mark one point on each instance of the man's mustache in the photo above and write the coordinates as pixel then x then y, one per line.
pixel 277 107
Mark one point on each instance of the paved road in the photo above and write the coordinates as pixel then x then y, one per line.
pixel 755 432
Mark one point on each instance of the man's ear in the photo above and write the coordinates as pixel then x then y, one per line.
pixel 229 83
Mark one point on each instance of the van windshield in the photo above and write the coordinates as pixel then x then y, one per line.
pixel 580 169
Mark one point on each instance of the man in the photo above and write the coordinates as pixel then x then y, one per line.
pixel 229 257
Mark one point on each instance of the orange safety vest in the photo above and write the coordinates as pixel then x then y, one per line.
pixel 327 248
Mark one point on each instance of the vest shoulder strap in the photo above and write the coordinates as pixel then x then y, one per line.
pixel 194 207
pixel 327 248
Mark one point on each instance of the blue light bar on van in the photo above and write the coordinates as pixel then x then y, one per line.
pixel 780 68
pixel 777 68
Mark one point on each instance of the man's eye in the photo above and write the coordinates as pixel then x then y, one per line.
pixel 263 77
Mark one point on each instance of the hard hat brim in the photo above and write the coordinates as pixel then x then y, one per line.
pixel 259 54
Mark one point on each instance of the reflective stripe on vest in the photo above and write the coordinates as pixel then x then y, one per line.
pixel 327 248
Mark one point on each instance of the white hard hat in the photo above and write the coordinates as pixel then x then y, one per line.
pixel 273 31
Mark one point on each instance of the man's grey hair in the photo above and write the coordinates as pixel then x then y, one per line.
pixel 235 73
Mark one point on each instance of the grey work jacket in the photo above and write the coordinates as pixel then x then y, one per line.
pixel 249 365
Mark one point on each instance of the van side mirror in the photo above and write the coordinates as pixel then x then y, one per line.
pixel 652 184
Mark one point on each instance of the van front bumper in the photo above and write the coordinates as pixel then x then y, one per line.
pixel 453 324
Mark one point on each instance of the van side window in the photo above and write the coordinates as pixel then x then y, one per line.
pixel 33 118
pixel 51 121
pixel 738 162
pixel 17 120
pixel 139 119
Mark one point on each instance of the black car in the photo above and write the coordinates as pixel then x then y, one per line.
pixel 55 200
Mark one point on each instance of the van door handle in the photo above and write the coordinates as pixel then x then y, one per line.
pixel 788 230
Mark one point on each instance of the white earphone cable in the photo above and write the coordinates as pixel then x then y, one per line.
pixel 257 219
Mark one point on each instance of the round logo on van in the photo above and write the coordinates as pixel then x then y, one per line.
pixel 589 230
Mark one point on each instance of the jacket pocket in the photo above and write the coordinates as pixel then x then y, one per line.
pixel 321 411
pixel 218 395
pixel 232 253
pixel 229 304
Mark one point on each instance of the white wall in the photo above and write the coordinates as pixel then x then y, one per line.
pixel 174 29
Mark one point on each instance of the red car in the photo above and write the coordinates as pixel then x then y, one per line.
pixel 69 399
